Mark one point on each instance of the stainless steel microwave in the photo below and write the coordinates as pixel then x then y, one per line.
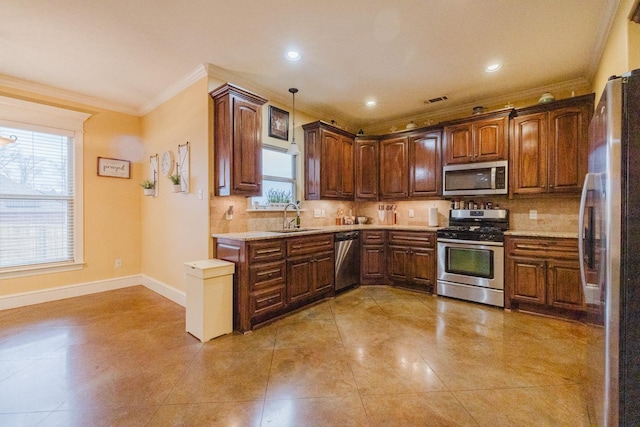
pixel 475 178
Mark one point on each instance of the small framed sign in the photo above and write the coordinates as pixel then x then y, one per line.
pixel 278 123
pixel 114 167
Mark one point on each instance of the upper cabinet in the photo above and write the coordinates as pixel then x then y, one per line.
pixel 367 152
pixel 549 146
pixel 237 141
pixel 479 139
pixel 394 168
pixel 329 164
pixel 425 166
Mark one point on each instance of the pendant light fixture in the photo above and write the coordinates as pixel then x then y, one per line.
pixel 293 147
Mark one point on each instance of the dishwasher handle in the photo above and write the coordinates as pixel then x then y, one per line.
pixel 346 235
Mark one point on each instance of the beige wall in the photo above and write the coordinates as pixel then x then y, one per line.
pixel 622 49
pixel 175 226
pixel 111 205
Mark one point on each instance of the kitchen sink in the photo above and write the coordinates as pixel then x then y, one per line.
pixel 291 230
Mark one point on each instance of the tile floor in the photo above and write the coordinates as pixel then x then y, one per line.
pixel 375 356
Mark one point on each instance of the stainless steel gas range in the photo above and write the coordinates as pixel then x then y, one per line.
pixel 471 255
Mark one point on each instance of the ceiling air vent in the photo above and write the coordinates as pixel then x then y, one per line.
pixel 438 99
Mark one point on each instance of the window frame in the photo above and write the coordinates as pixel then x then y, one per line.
pixel 45 118
pixel 294 174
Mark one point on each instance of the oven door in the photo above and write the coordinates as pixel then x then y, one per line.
pixel 471 263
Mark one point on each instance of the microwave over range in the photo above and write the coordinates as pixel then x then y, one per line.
pixel 475 178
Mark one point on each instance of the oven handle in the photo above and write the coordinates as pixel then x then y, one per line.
pixel 474 243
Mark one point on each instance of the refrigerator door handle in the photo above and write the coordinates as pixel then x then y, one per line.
pixel 589 185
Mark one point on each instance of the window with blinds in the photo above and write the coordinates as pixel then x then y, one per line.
pixel 37 198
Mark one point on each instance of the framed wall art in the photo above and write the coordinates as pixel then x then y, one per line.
pixel 115 168
pixel 278 123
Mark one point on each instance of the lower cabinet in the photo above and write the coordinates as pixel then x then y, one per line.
pixel 373 257
pixel 411 259
pixel 543 274
pixel 275 276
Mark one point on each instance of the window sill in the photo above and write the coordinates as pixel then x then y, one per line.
pixel 10 273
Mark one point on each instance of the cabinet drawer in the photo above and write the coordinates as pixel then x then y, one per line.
pixel 543 247
pixel 267 275
pixel 267 250
pixel 267 300
pixel 310 245
pixel 376 237
pixel 408 238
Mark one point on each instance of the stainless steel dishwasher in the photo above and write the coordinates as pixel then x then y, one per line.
pixel 347 249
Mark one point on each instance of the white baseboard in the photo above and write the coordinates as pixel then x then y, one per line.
pixel 80 289
pixel 169 292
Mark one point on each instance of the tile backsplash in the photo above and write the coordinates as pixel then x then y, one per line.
pixel 558 214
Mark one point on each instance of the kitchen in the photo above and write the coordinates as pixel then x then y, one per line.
pixel 180 224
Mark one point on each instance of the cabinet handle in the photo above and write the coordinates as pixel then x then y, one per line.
pixel 268 273
pixel 267 251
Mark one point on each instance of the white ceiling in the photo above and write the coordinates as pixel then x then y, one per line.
pixel 400 53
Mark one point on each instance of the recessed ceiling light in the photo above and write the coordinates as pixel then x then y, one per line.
pixel 292 55
pixel 371 103
pixel 493 68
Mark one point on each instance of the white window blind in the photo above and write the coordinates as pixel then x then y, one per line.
pixel 37 198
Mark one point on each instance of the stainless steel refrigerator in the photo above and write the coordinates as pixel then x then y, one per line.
pixel 609 233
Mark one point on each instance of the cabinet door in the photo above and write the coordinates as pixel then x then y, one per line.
pixel 425 169
pixel 423 267
pixel 346 172
pixel 372 264
pixel 489 139
pixel 399 267
pixel 366 169
pixel 529 154
pixel 527 279
pixel 568 155
pixel 394 165
pixel 458 144
pixel 564 286
pixel 247 148
pixel 330 164
pixel 324 272
pixel 299 279
pixel 312 149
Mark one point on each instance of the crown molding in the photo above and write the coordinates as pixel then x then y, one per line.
pixel 199 72
pixel 45 90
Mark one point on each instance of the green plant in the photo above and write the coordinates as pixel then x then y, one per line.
pixel 175 178
pixel 278 196
pixel 147 184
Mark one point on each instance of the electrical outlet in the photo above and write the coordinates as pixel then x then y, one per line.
pixel 317 213
pixel 533 214
pixel 323 213
pixel 411 213
pixel 118 263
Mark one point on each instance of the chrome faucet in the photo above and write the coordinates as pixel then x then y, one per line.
pixel 294 223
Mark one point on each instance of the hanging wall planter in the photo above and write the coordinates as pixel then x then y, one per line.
pixel 175 180
pixel 148 187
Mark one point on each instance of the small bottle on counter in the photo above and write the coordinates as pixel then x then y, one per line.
pixel 456 204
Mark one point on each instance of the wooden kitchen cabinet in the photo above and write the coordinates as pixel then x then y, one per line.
pixel 373 257
pixel 549 147
pixel 425 165
pixel 329 162
pixel 479 139
pixel 237 141
pixel 543 274
pixel 310 269
pixel 394 168
pixel 275 276
pixel 367 165
pixel 411 259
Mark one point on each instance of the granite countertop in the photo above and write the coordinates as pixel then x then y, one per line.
pixel 529 233
pixel 304 231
